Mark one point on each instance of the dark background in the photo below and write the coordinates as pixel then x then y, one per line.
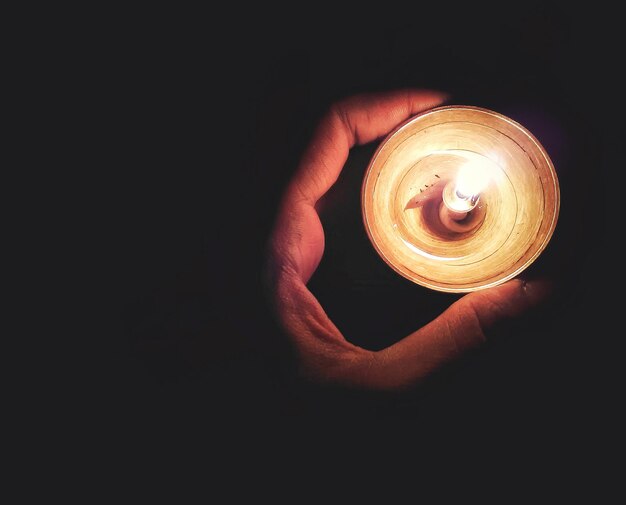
pixel 207 116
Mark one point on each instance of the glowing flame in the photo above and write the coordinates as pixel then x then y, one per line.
pixel 472 178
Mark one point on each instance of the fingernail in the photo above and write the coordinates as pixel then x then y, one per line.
pixel 539 286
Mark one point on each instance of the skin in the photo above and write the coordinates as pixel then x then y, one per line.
pixel 297 246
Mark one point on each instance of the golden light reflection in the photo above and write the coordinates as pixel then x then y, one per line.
pixel 472 179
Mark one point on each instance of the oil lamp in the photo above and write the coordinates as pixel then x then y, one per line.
pixel 460 198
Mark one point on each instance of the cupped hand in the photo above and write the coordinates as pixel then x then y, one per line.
pixel 297 245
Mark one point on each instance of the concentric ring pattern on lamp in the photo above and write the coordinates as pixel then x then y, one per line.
pixel 511 225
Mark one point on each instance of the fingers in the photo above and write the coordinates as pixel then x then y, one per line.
pixel 460 328
pixel 325 356
pixel 356 120
pixel 298 239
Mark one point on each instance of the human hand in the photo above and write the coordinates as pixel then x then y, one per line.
pixel 297 246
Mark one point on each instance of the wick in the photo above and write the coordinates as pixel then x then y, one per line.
pixel 456 207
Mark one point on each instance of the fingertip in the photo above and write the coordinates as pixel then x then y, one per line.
pixel 536 289
pixel 506 301
pixel 424 99
pixel 444 96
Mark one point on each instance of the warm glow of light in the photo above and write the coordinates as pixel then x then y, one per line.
pixel 473 177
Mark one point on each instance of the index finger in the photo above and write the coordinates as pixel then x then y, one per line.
pixel 357 120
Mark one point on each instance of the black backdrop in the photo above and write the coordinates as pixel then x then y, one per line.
pixel 209 114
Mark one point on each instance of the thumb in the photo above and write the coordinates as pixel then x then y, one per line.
pixel 461 327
